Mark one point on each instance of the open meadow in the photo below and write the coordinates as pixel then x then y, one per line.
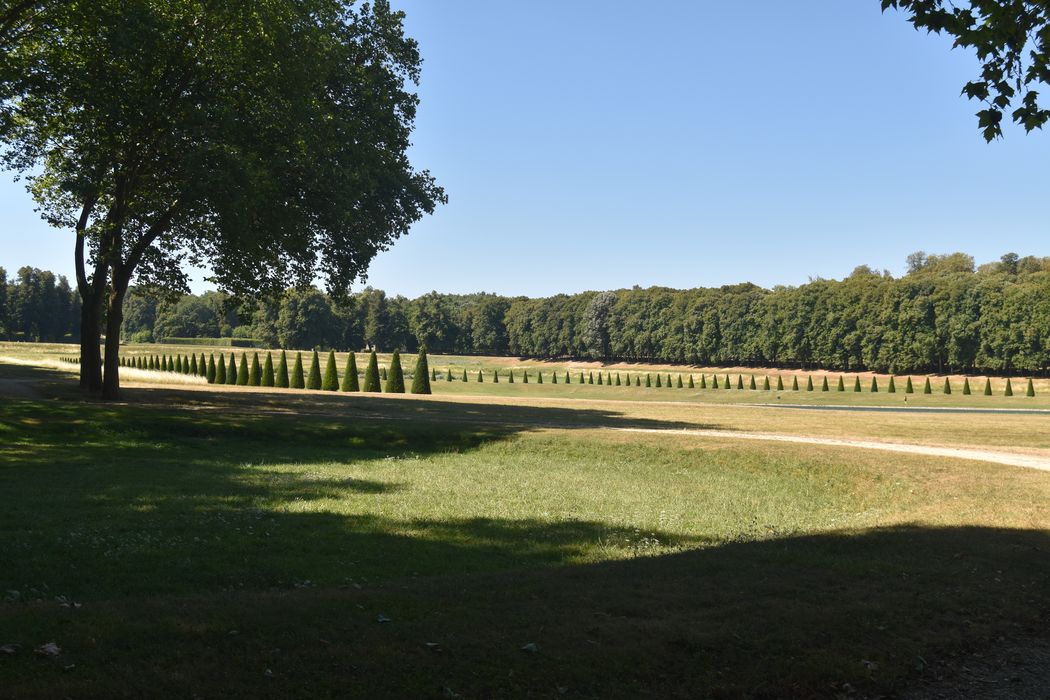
pixel 503 540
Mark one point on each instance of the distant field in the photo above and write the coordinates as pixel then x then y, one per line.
pixel 497 540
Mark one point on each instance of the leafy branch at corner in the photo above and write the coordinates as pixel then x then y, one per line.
pixel 1011 39
pixel 267 141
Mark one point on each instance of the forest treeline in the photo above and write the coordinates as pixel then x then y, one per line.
pixel 945 314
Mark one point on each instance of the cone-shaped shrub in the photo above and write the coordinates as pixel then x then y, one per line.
pixel 669 381
pixel 658 381
pixel 765 383
pixel 330 379
pixel 464 374
pixel 495 376
pixel 891 388
pixel 350 382
pixel 178 364
pixel 590 378
pixel 780 383
pixel 648 381
pixel 856 384
pixel 1030 391
pixel 927 389
pixel 794 383
pixel 372 374
pixel 313 377
pixel 637 380
pixel 874 385
pixel 212 371
pixel 202 366
pixel 554 377
pixel 566 376
pixel 481 376
pixel 421 376
pixel 618 379
pixel 539 377
pixel 395 376
pixel 601 380
pixel 510 379
pixel 739 381
pixel 433 372
pixel 583 380
pixel 909 388
pixel 231 370
pixel 149 362
pixel 525 376
pixel 298 378
pixel 1009 388
pixel 255 373
pixel 382 373
pixel 242 370
pixel 824 384
pixel 947 386
pixel 987 386
pixel 679 383
pixel 703 381
pixel 267 374
pixel 966 386
pixel 842 384
pixel 220 371
pixel 449 374
pixel 752 385
pixel 727 384
pixel 714 381
pixel 194 370
pixel 281 379
pixel 809 383
pixel 186 364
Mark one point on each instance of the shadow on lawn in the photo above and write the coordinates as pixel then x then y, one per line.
pixel 842 614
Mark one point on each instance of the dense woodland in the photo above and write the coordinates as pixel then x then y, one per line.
pixel 945 314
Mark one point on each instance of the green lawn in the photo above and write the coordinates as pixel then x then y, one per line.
pixel 210 543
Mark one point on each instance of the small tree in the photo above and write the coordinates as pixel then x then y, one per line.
pixel 658 380
pixel 590 378
pixel 281 380
pixel 601 381
pixel 421 376
pixel 752 385
pixel 202 366
pixel 842 383
pixel 703 381
pixel 313 377
pixel 330 380
pixel 220 371
pixel 178 364
pixel 186 364
pixel 255 373
pixel 525 376
pixel 1030 391
pixel 495 376
pixel 691 384
pixel 909 388
pixel 618 383
pixel 382 373
pixel 298 378
pixel 856 384
pixel 395 376
pixel 966 386
pixel 232 370
pixel 987 386
pixel 433 373
pixel 824 384
pixel 679 383
pixel 350 382
pixel 372 374
pixel 583 380
pixel 267 373
pixel 726 384
pixel 765 383
pixel 637 380
pixel 554 377
pixel 648 381
pixel 193 365
pixel 794 383
pixel 242 370
pixel 448 374
pixel 481 376
pixel 212 370
pixel 464 374
pixel 780 382
pixel 1009 388
pixel 947 386
pixel 874 385
pixel 927 389
pixel 539 377
pixel 809 383
pixel 714 381
pixel 891 388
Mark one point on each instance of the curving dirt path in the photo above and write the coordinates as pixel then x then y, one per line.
pixel 1008 458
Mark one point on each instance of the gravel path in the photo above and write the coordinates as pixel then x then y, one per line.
pixel 1008 458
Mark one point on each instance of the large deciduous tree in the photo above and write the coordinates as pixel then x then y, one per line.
pixel 265 140
pixel 1012 41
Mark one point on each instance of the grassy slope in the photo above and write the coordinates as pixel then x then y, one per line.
pixel 209 544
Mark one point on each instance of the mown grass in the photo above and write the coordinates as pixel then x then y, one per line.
pixel 242 543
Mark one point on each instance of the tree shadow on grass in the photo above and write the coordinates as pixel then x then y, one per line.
pixel 833 615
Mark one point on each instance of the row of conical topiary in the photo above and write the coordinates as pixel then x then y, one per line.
pixel 611 379
pixel 265 374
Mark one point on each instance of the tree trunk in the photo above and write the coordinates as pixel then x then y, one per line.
pixel 114 320
pixel 90 339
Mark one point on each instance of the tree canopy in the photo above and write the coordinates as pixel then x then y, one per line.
pixel 1011 39
pixel 265 140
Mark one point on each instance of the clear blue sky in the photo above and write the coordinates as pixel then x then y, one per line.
pixel 594 145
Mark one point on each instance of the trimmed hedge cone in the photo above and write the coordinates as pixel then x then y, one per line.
pixel 231 370
pixel 421 375
pixel 267 374
pixel 349 382
pixel 255 373
pixel 330 380
pixel 395 376
pixel 242 370
pixel 313 379
pixel 281 380
pixel 372 374
pixel 298 381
